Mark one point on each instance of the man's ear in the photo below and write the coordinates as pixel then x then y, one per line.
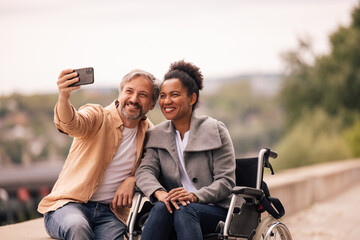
pixel 152 106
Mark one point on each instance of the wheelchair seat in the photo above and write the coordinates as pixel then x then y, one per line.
pixel 241 222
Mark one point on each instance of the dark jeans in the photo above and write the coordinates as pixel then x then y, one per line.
pixel 84 221
pixel 189 223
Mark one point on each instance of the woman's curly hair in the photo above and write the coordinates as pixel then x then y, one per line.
pixel 189 75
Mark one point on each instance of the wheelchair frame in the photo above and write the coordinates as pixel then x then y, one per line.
pixel 267 229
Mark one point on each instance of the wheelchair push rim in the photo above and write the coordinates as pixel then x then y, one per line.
pixel 272 229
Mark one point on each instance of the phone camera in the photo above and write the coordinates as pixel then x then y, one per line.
pixel 88 70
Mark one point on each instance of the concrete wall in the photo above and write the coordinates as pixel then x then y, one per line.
pixel 300 188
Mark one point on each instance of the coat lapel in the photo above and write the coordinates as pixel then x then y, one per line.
pixel 164 138
pixel 204 134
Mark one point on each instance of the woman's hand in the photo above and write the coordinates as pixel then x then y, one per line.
pixel 174 196
pixel 181 195
pixel 161 196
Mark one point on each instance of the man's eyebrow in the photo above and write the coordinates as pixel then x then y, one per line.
pixel 144 91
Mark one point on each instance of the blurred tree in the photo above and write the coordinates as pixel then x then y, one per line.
pixel 14 149
pixel 313 139
pixel 329 84
pixel 352 136
pixel 332 81
pixel 298 92
pixel 253 120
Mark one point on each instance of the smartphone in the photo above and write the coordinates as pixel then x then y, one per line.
pixel 85 75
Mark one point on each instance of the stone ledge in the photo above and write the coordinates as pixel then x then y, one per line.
pixel 301 187
pixel 29 230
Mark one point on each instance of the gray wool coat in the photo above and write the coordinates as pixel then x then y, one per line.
pixel 209 161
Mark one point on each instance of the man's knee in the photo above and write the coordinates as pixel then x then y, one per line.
pixel 77 227
pixel 71 226
pixel 76 221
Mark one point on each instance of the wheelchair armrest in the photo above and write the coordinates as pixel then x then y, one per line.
pixel 136 189
pixel 248 192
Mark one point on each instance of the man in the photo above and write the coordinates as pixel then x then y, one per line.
pixel 93 194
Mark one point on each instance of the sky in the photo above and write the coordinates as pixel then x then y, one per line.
pixel 39 38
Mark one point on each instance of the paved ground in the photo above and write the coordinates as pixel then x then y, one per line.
pixel 334 219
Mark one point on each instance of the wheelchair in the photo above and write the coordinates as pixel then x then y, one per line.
pixel 245 222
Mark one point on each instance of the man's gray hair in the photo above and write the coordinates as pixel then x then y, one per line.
pixel 138 72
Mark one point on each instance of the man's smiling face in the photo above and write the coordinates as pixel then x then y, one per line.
pixel 136 98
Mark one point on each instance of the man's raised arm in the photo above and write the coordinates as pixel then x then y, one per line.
pixel 64 106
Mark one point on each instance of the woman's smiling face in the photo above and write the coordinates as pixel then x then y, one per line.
pixel 174 101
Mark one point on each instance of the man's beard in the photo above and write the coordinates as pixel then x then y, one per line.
pixel 132 117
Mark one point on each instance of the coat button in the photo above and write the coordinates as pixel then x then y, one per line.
pixel 195 180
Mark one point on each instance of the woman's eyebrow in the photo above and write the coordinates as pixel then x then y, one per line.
pixel 170 92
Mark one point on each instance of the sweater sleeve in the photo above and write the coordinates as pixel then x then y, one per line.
pixel 83 121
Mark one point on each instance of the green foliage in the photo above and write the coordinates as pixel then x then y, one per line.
pixel 315 138
pixel 254 121
pixel 15 149
pixel 100 96
pixel 352 137
pixel 356 17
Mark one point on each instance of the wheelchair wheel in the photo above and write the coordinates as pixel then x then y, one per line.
pixel 272 229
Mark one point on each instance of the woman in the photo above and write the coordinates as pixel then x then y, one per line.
pixel 188 167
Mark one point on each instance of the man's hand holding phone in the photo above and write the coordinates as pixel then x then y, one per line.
pixel 66 81
pixel 66 78
pixel 70 80
pixel 85 76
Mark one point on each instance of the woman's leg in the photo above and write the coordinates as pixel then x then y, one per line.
pixel 159 224
pixel 194 220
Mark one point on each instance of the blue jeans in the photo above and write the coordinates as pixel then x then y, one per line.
pixel 90 220
pixel 188 223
